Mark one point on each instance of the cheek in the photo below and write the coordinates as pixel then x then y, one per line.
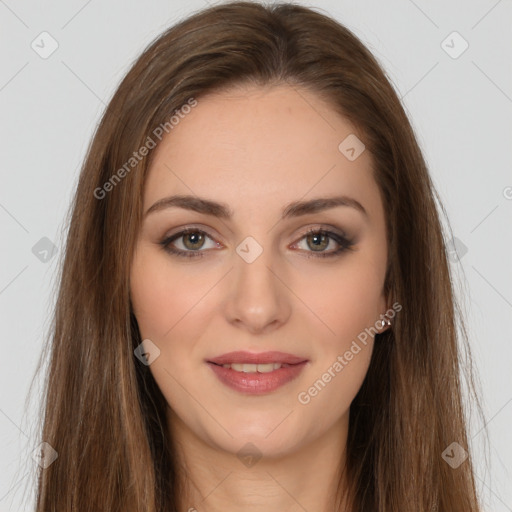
pixel 161 295
pixel 164 301
pixel 350 304
pixel 346 300
pixel 172 305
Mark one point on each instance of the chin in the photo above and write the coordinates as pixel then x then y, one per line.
pixel 267 435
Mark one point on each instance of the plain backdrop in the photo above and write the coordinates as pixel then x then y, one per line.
pixel 456 88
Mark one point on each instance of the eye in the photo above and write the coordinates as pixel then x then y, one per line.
pixel 192 240
pixel 319 239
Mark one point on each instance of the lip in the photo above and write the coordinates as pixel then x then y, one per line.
pixel 255 383
pixel 257 358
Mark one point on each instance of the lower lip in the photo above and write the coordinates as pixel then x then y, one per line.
pixel 257 383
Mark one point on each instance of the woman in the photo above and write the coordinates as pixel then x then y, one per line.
pixel 255 308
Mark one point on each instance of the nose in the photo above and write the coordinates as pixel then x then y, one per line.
pixel 258 299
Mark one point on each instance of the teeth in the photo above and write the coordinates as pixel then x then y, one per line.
pixel 252 368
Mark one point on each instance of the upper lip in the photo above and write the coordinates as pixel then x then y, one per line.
pixel 256 358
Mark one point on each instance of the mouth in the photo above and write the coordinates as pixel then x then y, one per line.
pixel 243 357
pixel 253 368
pixel 252 373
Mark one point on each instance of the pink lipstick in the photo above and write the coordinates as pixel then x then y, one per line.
pixel 256 373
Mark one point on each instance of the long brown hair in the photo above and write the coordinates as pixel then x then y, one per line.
pixel 103 412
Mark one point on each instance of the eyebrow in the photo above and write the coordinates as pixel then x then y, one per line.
pixel 223 211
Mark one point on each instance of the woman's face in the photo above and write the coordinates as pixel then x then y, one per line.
pixel 255 281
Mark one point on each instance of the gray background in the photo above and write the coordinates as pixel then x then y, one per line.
pixel 460 107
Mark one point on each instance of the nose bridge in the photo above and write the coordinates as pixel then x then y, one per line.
pixel 257 297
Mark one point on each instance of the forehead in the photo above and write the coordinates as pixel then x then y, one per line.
pixel 259 142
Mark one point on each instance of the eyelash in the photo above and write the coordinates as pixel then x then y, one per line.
pixel 343 242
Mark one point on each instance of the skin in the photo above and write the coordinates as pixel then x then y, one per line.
pixel 257 149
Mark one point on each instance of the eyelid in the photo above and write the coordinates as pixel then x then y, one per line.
pixel 193 227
